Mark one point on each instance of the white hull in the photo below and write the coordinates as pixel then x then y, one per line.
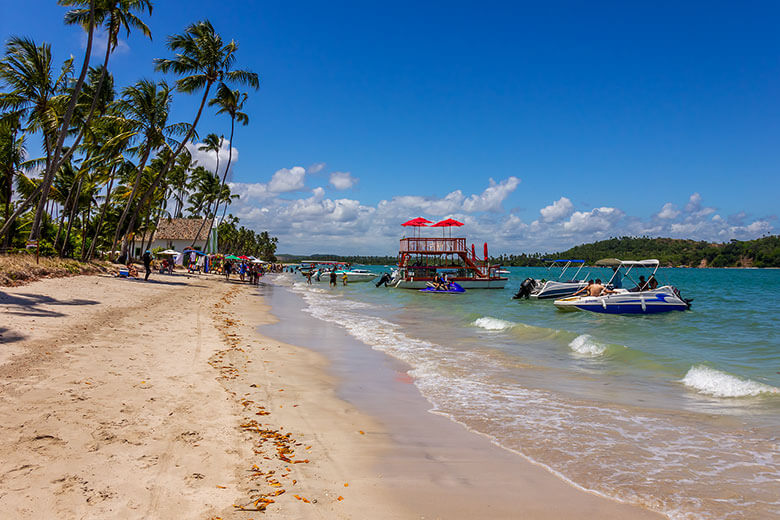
pixel 351 277
pixel 553 289
pixel 662 299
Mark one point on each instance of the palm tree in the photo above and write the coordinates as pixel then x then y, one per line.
pixel 212 143
pixel 145 107
pixel 203 60
pixel 12 153
pixel 34 93
pixel 114 14
pixel 230 102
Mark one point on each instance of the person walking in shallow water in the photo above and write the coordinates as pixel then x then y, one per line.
pixel 333 277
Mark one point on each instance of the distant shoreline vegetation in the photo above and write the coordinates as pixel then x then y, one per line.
pixel 671 252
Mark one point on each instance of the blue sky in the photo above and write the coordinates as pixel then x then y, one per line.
pixel 540 126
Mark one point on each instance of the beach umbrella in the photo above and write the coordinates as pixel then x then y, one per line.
pixel 448 223
pixel 232 257
pixel 243 257
pixel 417 223
pixel 168 252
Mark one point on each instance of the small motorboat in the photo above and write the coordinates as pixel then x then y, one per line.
pixel 358 275
pixel 548 289
pixel 646 298
pixel 451 288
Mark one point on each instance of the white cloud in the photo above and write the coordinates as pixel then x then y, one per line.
pixel 208 159
pixel 311 221
pixel 668 212
pixel 315 168
pixel 558 210
pixel 492 198
pixel 286 180
pixel 342 180
pixel 596 220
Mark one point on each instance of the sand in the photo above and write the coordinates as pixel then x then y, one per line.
pixel 125 399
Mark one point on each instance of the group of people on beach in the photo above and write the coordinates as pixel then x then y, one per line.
pixel 246 271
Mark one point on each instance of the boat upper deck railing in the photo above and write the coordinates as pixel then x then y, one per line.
pixel 433 245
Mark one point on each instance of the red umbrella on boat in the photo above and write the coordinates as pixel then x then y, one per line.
pixel 417 222
pixel 448 223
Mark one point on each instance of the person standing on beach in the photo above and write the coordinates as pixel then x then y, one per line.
pixel 147 258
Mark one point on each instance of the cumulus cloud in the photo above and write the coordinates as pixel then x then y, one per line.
pixel 493 197
pixel 595 220
pixel 308 221
pixel 342 180
pixel 668 212
pixel 208 159
pixel 287 179
pixel 315 168
pixel 558 210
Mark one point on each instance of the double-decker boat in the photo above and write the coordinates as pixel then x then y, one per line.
pixel 420 259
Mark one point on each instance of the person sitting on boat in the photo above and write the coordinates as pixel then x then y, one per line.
pixel 585 289
pixel 641 286
pixel 597 289
pixel 652 283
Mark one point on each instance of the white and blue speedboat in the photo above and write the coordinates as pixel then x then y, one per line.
pixel 647 297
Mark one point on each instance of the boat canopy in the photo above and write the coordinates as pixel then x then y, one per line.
pixel 614 262
pixel 563 261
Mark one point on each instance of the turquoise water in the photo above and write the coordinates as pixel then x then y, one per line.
pixel 679 412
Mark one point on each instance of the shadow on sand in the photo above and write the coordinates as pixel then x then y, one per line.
pixel 30 304
pixel 9 336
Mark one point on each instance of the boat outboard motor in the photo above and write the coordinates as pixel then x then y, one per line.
pixel 526 287
pixel 384 280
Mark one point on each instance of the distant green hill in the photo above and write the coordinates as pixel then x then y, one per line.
pixel 762 252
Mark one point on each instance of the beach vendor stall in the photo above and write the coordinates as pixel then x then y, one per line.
pixel 168 256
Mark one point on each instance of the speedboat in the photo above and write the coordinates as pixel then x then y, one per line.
pixel 646 298
pixel 561 286
pixel 358 275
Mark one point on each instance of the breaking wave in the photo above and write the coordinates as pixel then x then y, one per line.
pixel 488 323
pixel 713 382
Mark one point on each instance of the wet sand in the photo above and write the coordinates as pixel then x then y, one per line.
pixel 125 399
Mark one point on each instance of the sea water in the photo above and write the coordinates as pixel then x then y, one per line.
pixel 678 412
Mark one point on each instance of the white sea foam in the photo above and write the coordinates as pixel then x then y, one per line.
pixel 713 382
pixel 488 323
pixel 585 344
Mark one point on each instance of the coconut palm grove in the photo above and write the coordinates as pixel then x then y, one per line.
pixel 88 166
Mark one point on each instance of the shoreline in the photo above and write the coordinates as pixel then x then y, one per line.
pixel 128 399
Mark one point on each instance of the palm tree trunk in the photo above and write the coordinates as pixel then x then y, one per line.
pixel 85 219
pixel 52 166
pixel 167 167
pixel 62 218
pixel 73 210
pixel 224 177
pixel 99 225
pixel 136 184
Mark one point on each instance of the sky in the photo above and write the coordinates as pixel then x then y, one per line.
pixel 539 125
